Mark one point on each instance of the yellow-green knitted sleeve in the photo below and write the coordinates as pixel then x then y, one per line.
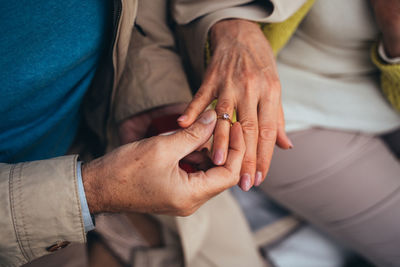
pixel 278 34
pixel 390 78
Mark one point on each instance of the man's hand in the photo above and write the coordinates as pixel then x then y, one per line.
pixel 135 127
pixel 242 75
pixel 387 13
pixel 144 176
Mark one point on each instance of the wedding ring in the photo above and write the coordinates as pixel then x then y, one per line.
pixel 225 117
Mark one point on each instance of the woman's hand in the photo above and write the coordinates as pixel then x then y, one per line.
pixel 242 75
pixel 144 176
pixel 387 13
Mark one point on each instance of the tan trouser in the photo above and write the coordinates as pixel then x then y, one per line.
pixel 348 184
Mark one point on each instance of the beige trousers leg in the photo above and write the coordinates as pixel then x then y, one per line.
pixel 348 184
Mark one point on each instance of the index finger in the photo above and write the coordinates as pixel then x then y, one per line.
pixel 200 101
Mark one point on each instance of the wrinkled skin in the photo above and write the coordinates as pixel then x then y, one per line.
pixel 242 75
pixel 144 176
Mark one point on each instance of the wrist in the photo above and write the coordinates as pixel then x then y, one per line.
pixel 232 30
pixel 391 45
pixel 92 187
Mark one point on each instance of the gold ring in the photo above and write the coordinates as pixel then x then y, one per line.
pixel 225 117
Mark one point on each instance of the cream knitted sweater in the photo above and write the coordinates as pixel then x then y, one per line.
pixel 328 79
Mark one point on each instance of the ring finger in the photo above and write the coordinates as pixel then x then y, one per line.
pixel 224 109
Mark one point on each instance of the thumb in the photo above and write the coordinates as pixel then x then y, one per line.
pixel 185 141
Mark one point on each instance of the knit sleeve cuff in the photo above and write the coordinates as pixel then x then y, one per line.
pixel 389 78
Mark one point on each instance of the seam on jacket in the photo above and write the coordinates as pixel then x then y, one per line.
pixel 74 166
pixel 12 208
pixel 26 235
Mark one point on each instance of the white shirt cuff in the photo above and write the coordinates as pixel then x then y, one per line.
pixel 87 218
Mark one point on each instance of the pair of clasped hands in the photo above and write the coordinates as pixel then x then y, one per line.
pixel 144 176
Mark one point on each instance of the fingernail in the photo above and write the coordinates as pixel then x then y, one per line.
pixel 207 117
pixel 218 157
pixel 258 179
pixel 290 144
pixel 245 182
pixel 182 118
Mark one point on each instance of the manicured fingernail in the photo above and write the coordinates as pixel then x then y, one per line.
pixel 207 117
pixel 182 118
pixel 290 144
pixel 218 157
pixel 245 182
pixel 258 179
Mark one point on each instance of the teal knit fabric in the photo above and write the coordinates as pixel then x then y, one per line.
pixel 49 53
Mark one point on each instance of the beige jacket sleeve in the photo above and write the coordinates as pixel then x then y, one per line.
pixel 39 207
pixel 194 19
pixel 153 75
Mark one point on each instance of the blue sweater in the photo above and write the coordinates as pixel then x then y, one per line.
pixel 49 53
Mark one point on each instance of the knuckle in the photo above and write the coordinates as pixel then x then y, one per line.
pixel 275 83
pixel 249 126
pixel 256 83
pixel 191 134
pixel 199 94
pixel 267 133
pixel 252 77
pixel 249 162
pixel 223 106
pixel 273 94
pixel 252 89
pixel 230 83
pixel 221 136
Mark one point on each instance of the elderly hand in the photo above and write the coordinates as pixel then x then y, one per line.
pixel 144 176
pixel 387 13
pixel 242 75
pixel 135 128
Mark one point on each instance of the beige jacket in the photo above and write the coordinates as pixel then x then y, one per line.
pixel 39 202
